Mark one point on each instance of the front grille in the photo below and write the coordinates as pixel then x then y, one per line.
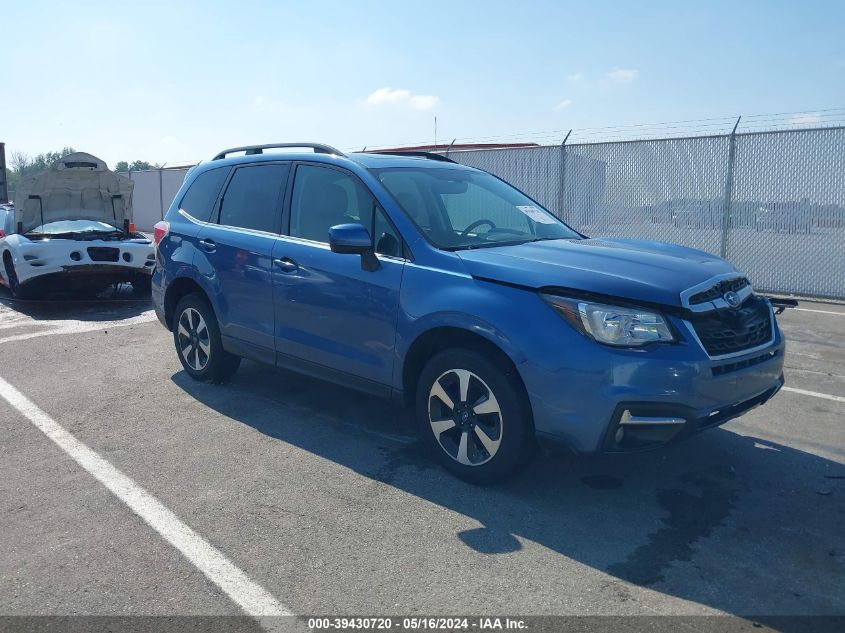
pixel 103 254
pixel 727 368
pixel 717 291
pixel 729 331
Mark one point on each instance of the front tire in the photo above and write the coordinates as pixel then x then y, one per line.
pixel 474 416
pixel 18 291
pixel 196 336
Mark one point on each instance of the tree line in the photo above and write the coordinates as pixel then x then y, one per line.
pixel 20 165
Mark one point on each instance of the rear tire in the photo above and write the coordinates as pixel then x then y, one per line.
pixel 474 416
pixel 196 336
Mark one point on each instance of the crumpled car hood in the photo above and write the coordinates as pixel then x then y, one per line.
pixel 653 272
pixel 77 187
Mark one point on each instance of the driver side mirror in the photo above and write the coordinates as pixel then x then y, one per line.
pixel 354 239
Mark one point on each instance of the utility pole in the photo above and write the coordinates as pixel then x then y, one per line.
pixel 4 186
pixel 435 134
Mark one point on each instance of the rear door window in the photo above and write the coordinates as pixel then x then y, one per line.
pixel 251 200
pixel 201 196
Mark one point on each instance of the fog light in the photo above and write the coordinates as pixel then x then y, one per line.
pixel 76 256
pixel 127 257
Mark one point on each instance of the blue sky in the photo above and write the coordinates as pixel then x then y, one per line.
pixel 177 81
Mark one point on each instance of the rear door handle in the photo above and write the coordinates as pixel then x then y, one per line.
pixel 286 264
pixel 209 246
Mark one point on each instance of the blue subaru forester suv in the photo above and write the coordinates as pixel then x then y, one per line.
pixel 416 278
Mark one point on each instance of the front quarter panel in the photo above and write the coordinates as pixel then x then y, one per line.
pixel 519 322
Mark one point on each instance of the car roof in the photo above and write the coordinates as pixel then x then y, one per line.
pixel 366 160
pixel 373 160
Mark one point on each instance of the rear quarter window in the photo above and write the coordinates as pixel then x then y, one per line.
pixel 201 196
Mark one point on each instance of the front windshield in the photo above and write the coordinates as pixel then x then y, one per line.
pixel 459 208
pixel 73 226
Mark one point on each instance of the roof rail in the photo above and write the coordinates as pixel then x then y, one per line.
pixel 319 148
pixel 429 155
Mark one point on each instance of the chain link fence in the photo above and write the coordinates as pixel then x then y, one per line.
pixel 773 203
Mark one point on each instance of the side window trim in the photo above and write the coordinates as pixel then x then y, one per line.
pixel 277 225
pixel 215 211
pixel 404 251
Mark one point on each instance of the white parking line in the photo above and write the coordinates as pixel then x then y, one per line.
pixel 248 595
pixel 815 394
pixel 842 314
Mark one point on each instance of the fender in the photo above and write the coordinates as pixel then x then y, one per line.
pixel 12 243
pixel 184 271
pixel 478 307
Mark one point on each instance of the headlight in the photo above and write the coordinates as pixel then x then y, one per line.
pixel 613 325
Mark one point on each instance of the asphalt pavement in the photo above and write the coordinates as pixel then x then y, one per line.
pixel 324 499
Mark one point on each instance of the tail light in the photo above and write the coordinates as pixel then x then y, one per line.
pixel 2 233
pixel 131 228
pixel 160 231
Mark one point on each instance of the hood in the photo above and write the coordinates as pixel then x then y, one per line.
pixel 78 187
pixel 637 270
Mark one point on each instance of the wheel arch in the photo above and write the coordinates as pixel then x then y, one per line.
pixel 5 257
pixel 178 288
pixel 443 337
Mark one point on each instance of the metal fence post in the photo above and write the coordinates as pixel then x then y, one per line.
pixel 729 185
pixel 561 199
pixel 160 194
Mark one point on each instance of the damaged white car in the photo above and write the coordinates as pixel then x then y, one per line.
pixel 72 229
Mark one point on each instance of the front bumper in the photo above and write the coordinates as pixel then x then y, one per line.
pixel 641 425
pixel 46 260
pixel 654 395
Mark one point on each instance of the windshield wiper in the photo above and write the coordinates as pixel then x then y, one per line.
pixel 87 235
pixel 53 236
pixel 470 247
pixel 116 232
pixel 98 235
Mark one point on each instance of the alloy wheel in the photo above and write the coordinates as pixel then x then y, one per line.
pixel 194 341
pixel 465 417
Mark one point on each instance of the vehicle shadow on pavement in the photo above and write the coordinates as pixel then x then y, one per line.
pixel 108 305
pixel 737 523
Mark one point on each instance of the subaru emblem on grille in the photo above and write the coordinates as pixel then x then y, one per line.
pixel 731 298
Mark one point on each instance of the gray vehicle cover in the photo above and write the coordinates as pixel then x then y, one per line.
pixel 78 187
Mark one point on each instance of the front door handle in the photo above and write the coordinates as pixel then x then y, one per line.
pixel 209 246
pixel 286 264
